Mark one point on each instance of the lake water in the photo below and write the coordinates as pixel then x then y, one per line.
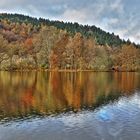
pixel 69 106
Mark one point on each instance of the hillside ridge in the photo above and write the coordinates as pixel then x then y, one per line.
pixel 28 43
pixel 102 37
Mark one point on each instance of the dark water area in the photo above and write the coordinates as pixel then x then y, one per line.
pixel 69 106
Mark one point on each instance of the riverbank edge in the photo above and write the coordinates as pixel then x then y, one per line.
pixel 66 70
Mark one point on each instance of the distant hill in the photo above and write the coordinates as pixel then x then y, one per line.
pixel 101 37
pixel 28 43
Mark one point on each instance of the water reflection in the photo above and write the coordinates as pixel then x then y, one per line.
pixel 119 120
pixel 43 93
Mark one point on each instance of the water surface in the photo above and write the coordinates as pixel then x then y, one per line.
pixel 69 106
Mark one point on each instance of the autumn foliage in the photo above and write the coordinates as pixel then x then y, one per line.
pixel 41 44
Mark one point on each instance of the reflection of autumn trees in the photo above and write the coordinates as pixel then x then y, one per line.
pixel 26 93
pixel 126 82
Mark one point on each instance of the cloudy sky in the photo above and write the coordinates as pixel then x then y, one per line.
pixel 119 16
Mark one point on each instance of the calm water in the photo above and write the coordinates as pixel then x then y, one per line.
pixel 69 106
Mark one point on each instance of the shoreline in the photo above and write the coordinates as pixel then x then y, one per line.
pixel 64 70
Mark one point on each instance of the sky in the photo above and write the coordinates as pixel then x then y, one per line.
pixel 119 16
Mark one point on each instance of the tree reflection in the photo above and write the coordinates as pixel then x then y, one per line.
pixel 43 93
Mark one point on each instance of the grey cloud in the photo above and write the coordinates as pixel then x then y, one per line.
pixel 119 16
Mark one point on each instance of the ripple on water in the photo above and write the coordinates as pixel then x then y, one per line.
pixel 118 120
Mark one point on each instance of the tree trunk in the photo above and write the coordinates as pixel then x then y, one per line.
pixel 11 63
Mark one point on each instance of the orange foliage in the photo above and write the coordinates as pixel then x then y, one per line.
pixel 28 42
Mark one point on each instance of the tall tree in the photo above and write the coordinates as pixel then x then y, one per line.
pixel 3 45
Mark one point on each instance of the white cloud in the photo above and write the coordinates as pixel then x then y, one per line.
pixel 119 16
pixel 75 16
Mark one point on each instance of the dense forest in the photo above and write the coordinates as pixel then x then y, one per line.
pixel 28 43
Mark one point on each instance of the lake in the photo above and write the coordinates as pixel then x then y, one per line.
pixel 69 106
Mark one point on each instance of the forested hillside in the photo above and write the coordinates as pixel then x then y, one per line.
pixel 31 43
